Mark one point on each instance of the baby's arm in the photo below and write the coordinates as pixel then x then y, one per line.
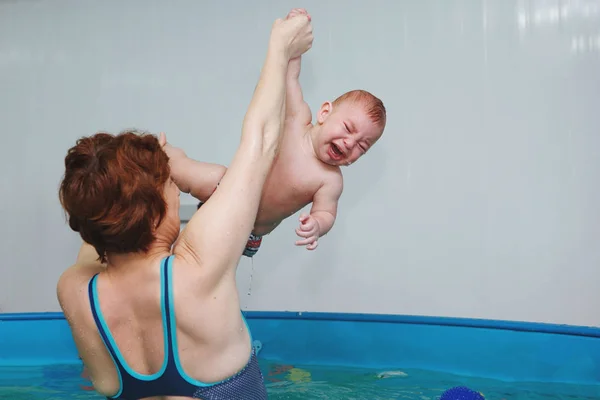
pixel 322 213
pixel 200 179
pixel 297 110
pixel 88 255
pixel 325 203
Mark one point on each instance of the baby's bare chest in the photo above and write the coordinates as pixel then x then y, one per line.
pixel 294 179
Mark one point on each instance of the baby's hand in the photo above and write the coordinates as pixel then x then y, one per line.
pixel 296 11
pixel 309 230
pixel 292 14
pixel 294 33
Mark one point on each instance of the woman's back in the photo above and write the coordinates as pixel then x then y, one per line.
pixel 141 311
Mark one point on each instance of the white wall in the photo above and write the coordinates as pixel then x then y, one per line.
pixel 480 201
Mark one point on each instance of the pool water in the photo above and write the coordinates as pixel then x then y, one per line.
pixel 60 382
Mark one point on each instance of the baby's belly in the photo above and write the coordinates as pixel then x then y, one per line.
pixel 264 229
pixel 269 218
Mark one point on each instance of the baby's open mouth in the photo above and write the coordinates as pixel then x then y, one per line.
pixel 336 150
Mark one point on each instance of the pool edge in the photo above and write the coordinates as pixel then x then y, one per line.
pixel 503 350
pixel 519 326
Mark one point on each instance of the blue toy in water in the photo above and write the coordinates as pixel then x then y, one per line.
pixel 461 393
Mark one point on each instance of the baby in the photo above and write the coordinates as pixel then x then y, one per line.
pixel 307 167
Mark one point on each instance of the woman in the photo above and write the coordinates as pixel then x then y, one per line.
pixel 157 321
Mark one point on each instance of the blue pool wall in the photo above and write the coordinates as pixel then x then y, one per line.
pixel 506 350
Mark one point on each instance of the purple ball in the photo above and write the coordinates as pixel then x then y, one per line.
pixel 461 393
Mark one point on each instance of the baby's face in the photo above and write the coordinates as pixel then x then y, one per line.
pixel 346 133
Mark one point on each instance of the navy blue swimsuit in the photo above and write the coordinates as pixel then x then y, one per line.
pixel 172 380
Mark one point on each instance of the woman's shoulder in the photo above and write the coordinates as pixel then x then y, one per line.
pixel 72 284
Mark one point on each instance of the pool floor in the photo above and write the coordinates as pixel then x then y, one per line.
pixel 291 382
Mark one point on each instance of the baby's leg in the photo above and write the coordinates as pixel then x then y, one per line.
pixel 200 179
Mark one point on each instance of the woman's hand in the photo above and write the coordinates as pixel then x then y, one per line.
pixel 295 33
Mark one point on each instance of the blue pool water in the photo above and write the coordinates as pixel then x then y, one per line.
pixel 61 382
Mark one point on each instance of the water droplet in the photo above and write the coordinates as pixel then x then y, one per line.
pixel 251 276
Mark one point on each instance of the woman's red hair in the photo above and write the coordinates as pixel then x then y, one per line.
pixel 112 190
